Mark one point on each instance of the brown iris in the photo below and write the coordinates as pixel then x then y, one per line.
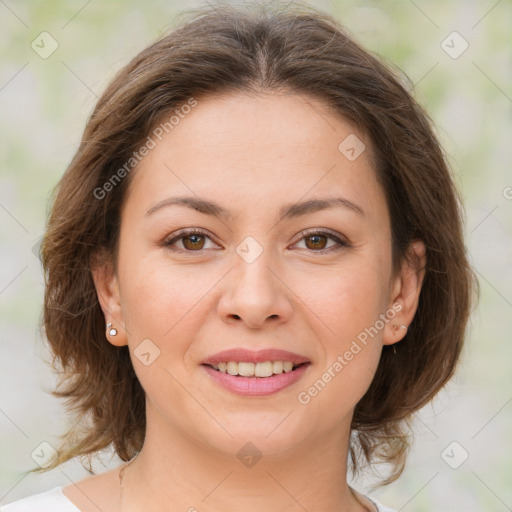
pixel 197 241
pixel 317 241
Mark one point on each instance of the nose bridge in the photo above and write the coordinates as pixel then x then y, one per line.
pixel 254 293
pixel 253 277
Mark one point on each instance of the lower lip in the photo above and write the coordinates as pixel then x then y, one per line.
pixel 256 386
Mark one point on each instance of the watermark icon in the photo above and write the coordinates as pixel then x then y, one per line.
pixel 351 147
pixel 36 248
pixel 305 397
pixel 43 454
pixel 249 249
pixel 249 455
pixel 44 45
pixel 507 193
pixel 454 45
pixel 150 143
pixel 454 455
pixel 146 352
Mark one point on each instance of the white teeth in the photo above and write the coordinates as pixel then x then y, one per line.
pixel 265 369
pixel 246 369
pixel 287 366
pixel 232 368
pixel 277 366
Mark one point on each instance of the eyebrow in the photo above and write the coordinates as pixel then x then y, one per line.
pixel 286 212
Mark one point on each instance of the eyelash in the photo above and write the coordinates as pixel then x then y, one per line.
pixel 195 231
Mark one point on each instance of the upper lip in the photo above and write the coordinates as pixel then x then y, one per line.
pixel 250 356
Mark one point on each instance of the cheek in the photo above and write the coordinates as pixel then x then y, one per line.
pixel 349 298
pixel 349 303
pixel 156 297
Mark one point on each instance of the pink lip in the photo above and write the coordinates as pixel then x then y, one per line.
pixel 248 356
pixel 256 386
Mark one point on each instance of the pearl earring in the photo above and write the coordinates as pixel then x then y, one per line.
pixel 111 330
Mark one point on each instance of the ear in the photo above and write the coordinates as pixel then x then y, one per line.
pixel 405 292
pixel 107 289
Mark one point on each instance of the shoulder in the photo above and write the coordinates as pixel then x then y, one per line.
pixel 49 501
pixel 99 492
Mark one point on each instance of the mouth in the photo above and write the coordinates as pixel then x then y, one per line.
pixel 255 373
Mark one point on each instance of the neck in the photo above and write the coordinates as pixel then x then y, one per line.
pixel 174 468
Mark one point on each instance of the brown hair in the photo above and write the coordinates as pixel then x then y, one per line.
pixel 263 48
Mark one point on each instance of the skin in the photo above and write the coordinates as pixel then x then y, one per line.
pixel 252 155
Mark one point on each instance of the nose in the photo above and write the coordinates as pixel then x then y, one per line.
pixel 255 294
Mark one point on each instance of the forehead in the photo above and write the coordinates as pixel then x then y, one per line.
pixel 253 150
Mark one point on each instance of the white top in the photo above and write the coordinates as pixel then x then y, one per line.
pixel 55 500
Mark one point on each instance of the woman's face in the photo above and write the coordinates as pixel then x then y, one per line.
pixel 269 269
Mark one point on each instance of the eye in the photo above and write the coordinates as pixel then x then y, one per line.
pixel 317 241
pixel 193 240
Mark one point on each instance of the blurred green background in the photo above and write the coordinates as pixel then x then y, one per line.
pixel 45 100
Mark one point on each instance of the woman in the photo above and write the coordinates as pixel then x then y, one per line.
pixel 255 271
